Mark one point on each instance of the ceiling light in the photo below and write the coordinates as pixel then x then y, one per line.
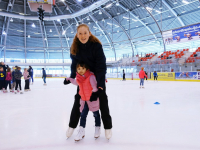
pixel 10 5
pixel 89 23
pixel 62 0
pixel 100 13
pixel 29 36
pixel 160 7
pixel 68 38
pixel 33 25
pixel 134 20
pixel 4 33
pixel 45 39
pixel 125 17
pixel 117 4
pixel 175 2
pixel 118 13
pixel 149 9
pixel 199 6
pixel 136 26
pixel 183 11
pixel 0 9
pixel 169 16
pixel 185 1
pixel 103 20
pixel 77 24
pixel 138 5
pixel 11 20
pixel 21 13
pixel 117 30
pixel 79 0
pixel 63 33
pixel 50 30
pixel 88 18
pixel 158 11
pixel 67 8
pixel 109 33
pixel 58 20
pixel 109 5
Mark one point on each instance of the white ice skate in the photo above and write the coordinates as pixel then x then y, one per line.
pixel 21 92
pixel 108 133
pixel 4 91
pixel 15 92
pixel 142 86
pixel 80 135
pixel 29 89
pixel 69 132
pixel 97 132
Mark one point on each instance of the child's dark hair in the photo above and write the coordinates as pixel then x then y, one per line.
pixel 82 64
pixel 1 67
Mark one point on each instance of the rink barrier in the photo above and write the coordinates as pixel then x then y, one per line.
pixel 157 80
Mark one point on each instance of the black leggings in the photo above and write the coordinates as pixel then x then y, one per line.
pixel 155 77
pixel 8 83
pixel 26 84
pixel 105 113
pixel 18 82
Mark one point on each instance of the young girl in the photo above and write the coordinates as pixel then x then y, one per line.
pixel 8 79
pixel 141 76
pixel 26 78
pixel 18 76
pixel 89 101
pixel 87 48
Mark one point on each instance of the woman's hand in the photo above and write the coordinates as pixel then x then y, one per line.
pixel 101 88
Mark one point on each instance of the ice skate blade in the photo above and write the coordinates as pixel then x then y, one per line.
pixel 96 138
pixel 76 141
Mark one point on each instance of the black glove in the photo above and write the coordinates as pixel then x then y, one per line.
pixel 94 96
pixel 66 82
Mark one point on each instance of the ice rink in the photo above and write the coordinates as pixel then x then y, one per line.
pixel 38 120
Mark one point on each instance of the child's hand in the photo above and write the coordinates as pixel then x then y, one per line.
pixel 66 81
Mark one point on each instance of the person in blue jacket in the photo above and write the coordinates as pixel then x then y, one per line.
pixel 44 75
pixel 155 75
pixel 30 71
pixel 88 49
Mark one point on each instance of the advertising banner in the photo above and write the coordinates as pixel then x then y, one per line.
pixel 165 75
pixel 186 75
pixel 184 34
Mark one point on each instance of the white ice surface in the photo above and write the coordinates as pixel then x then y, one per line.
pixel 38 120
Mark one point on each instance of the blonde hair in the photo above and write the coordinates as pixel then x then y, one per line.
pixel 25 69
pixel 142 68
pixel 92 38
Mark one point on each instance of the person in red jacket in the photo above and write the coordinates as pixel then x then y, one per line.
pixel 141 76
pixel 87 83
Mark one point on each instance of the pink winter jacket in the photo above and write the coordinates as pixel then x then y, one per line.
pixel 8 77
pixel 25 74
pixel 94 105
pixel 142 74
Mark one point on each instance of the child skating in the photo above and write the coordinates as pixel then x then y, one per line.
pixel 141 76
pixel 18 76
pixel 89 99
pixel 26 78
